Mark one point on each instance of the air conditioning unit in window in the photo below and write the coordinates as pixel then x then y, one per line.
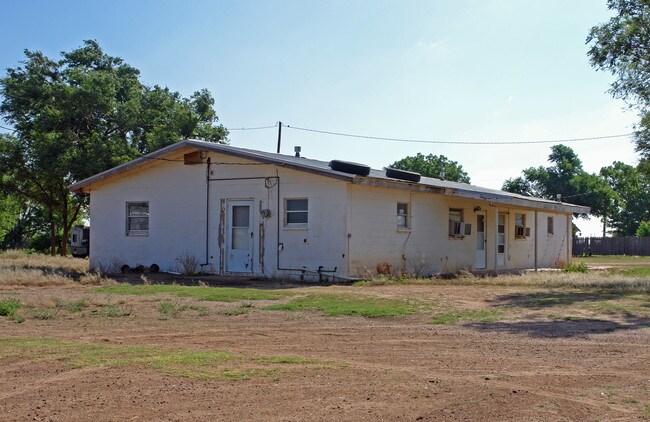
pixel 520 231
pixel 456 228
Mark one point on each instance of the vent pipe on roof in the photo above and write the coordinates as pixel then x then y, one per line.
pixel 297 149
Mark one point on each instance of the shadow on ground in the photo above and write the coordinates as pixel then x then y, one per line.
pixel 562 328
pixel 541 300
pixel 238 281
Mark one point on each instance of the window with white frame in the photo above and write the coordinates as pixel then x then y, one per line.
pixel 402 215
pixel 137 218
pixel 296 212
pixel 549 225
pixel 521 231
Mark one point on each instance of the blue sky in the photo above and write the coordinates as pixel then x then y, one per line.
pixel 493 70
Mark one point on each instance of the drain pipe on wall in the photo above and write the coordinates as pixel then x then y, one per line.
pixel 536 236
pixel 207 215
pixel 280 248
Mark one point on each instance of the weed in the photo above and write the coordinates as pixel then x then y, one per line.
pixel 170 309
pixel 8 307
pixel 241 309
pixel 630 400
pixel 646 411
pixel 201 310
pixel 334 305
pixel 575 267
pixel 76 305
pixel 187 264
pixel 43 314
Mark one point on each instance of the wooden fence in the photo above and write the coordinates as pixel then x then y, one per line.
pixel 630 245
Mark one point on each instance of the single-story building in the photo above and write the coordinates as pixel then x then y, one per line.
pixel 242 211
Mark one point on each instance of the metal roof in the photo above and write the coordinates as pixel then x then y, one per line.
pixel 375 178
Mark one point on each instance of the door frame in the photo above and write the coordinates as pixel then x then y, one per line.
pixel 476 259
pixel 230 204
pixel 501 256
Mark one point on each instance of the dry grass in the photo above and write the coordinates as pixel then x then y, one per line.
pixel 549 279
pixel 18 268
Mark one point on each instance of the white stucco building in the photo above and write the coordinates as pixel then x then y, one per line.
pixel 252 212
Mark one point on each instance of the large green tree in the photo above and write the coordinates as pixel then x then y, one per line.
pixel 631 204
pixel 566 180
pixel 622 47
pixel 437 166
pixel 80 115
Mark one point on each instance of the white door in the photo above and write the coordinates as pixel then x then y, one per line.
pixel 501 240
pixel 480 241
pixel 240 237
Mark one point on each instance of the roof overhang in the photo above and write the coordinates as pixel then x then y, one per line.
pixel 376 178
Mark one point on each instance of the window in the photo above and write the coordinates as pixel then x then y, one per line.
pixel 549 225
pixel 458 228
pixel 296 212
pixel 402 215
pixel 137 221
pixel 521 231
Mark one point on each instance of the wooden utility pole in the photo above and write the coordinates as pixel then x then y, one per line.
pixel 279 135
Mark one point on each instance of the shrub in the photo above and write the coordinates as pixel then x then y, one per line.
pixel 8 307
pixel 187 264
pixel 579 267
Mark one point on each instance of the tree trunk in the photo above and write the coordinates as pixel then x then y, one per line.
pixel 67 225
pixel 52 233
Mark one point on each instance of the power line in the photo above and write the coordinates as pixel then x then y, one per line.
pixel 425 141
pixel 252 128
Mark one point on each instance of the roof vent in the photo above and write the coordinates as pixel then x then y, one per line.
pixel 403 175
pixel 348 167
pixel 195 157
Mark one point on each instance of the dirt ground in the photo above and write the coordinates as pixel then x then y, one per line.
pixel 526 368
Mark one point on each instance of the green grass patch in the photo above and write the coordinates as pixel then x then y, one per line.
pixel 335 305
pixel 645 414
pixel 636 272
pixel 200 364
pixel 9 306
pixel 456 316
pixel 218 294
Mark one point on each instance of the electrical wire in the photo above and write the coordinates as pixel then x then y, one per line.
pixel 425 141
pixel 251 128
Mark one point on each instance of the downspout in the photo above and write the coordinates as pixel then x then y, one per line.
pixel 207 213
pixel 280 244
pixel 302 270
pixel 535 240
pixel 569 238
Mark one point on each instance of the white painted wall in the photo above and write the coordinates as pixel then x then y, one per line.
pixel 351 228
pixel 177 203
pixel 427 247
